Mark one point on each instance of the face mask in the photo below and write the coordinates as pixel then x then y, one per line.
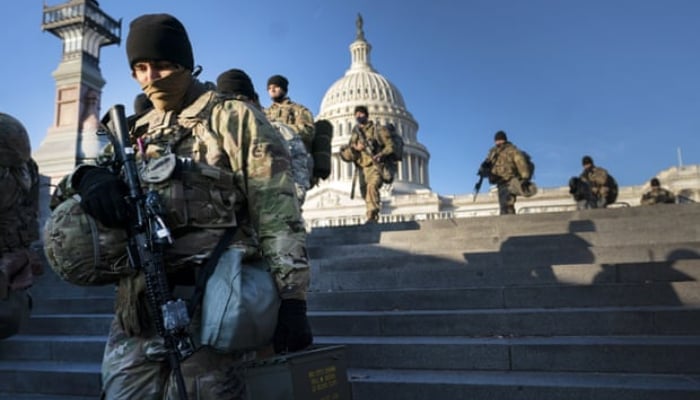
pixel 169 93
pixel 361 120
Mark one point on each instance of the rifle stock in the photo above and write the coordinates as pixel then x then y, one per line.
pixel 148 238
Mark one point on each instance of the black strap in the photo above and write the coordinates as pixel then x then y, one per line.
pixel 208 269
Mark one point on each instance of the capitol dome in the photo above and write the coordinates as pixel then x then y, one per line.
pixel 363 85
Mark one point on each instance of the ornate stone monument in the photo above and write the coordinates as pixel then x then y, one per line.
pixel 71 140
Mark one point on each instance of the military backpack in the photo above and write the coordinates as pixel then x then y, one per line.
pixel 321 148
pixel 530 164
pixel 397 140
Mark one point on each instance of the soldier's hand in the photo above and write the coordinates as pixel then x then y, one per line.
pixel 359 146
pixel 293 332
pixel 103 196
pixel 17 267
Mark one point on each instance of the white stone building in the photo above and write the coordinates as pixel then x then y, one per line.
pixel 410 197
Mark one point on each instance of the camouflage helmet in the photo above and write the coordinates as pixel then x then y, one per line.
pixel 81 250
pixel 15 148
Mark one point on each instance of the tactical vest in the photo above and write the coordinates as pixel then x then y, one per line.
pixel 182 159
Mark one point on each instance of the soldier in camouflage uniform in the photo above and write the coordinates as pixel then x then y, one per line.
pixel 657 194
pixel 594 188
pixel 509 171
pixel 234 171
pixel 288 112
pixel 368 148
pixel 236 82
pixel 19 227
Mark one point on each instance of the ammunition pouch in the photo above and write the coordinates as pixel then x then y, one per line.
pixel 194 194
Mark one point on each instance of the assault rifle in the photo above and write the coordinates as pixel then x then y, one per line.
pixel 483 172
pixel 369 147
pixel 148 238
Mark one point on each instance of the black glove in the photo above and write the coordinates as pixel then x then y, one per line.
pixel 293 331
pixel 573 185
pixel 484 169
pixel 102 195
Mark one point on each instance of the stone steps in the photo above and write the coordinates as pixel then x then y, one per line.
pixel 671 320
pixel 497 385
pixel 557 250
pixel 34 396
pixel 50 378
pixel 657 289
pixel 427 272
pixel 628 354
pixel 574 305
pixel 544 296
pixel 603 223
pixel 54 347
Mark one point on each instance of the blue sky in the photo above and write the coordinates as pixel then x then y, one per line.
pixel 616 79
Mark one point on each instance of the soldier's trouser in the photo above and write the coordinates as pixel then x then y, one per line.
pixel 506 199
pixel 137 368
pixel 14 311
pixel 370 183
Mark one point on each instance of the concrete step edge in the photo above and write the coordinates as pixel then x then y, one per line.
pixel 510 378
pixel 50 366
pixel 504 311
pixel 631 340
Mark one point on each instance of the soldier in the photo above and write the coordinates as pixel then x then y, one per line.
pixel 594 188
pixel 236 82
pixel 369 147
pixel 232 170
pixel 508 168
pixel 288 112
pixel 19 212
pixel 657 194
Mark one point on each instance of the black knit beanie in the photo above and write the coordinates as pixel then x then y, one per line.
pixel 278 80
pixel 159 37
pixel 500 135
pixel 235 81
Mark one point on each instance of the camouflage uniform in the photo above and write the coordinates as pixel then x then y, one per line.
pixel 295 115
pixel 372 174
pixel 231 145
pixel 508 170
pixel 19 227
pixel 597 187
pixel 658 195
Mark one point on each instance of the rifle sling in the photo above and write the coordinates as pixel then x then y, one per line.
pixel 208 269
